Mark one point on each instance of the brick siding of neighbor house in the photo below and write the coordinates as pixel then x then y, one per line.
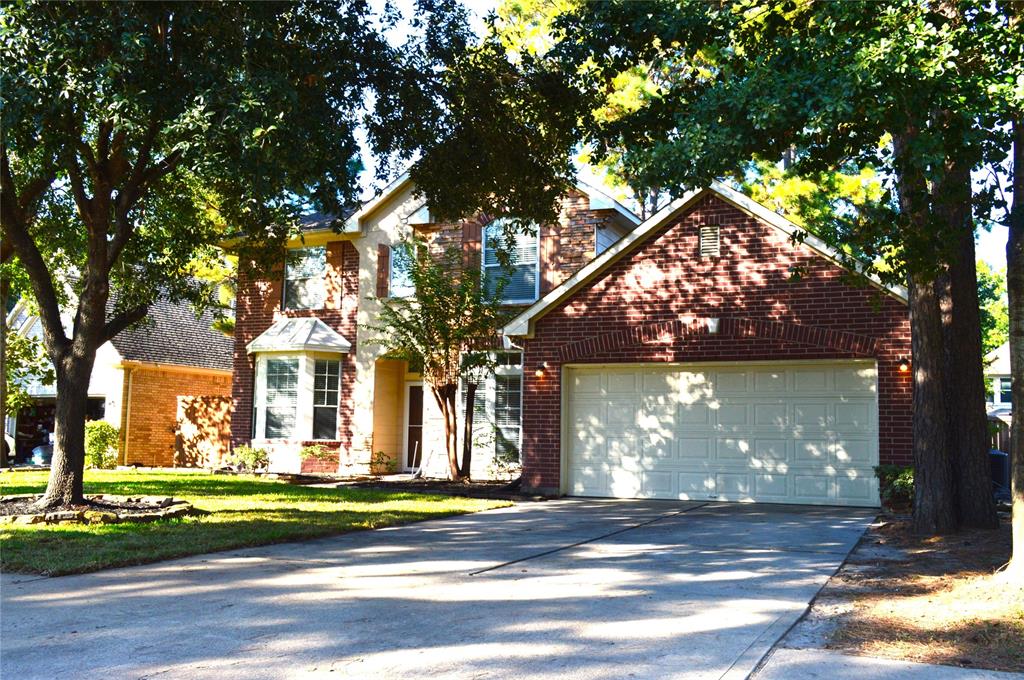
pixel 258 306
pixel 149 416
pixel 632 313
pixel 204 430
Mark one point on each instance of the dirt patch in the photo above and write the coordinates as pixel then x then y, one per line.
pixel 933 600
pixel 496 490
pixel 99 509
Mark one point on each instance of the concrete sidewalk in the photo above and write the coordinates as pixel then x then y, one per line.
pixel 565 589
pixel 821 664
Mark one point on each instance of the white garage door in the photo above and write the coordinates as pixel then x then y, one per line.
pixel 781 433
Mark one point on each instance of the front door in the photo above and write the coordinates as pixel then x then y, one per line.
pixel 414 426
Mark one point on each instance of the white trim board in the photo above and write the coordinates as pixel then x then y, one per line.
pixel 522 325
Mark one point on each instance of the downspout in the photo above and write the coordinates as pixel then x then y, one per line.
pixel 126 412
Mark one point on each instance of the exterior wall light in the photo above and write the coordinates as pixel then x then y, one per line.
pixel 541 367
pixel 904 365
pixel 713 325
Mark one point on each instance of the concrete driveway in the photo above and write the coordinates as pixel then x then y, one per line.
pixel 564 589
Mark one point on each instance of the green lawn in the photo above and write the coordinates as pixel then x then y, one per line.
pixel 244 511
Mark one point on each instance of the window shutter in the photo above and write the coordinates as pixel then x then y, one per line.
pixel 710 241
pixel 383 269
pixel 471 235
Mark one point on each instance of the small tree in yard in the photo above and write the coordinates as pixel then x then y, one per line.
pixel 447 326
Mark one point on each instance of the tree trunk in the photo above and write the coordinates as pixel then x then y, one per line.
pixel 1015 292
pixel 3 374
pixel 933 482
pixel 467 431
pixel 445 397
pixel 68 463
pixel 964 375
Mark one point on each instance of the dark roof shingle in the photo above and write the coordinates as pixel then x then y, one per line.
pixel 173 335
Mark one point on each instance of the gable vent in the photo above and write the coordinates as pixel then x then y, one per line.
pixel 710 241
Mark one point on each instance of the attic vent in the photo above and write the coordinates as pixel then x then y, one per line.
pixel 710 241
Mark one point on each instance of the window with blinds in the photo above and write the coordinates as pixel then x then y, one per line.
pixel 282 376
pixel 522 274
pixel 710 241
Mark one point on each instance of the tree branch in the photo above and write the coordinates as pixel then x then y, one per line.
pixel 15 231
pixel 123 320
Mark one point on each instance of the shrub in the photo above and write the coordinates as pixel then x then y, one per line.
pixel 897 484
pixel 101 443
pixel 317 452
pixel 383 464
pixel 249 458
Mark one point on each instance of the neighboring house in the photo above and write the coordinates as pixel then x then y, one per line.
pixel 166 384
pixel 305 372
pixel 997 372
pixel 704 354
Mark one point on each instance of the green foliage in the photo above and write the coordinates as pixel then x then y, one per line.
pixel 249 458
pixel 896 87
pixel 25 362
pixel 896 484
pixel 317 452
pixel 101 444
pixel 450 315
pixel 995 320
pixel 382 463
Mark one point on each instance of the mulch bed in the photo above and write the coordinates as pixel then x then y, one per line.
pixel 99 509
pixel 927 599
pixel 493 490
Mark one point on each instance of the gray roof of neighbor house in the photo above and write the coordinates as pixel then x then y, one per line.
pixel 172 334
pixel 319 221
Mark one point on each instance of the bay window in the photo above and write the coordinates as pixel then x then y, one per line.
pixel 297 397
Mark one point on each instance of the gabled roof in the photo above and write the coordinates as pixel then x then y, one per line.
pixel 997 362
pixel 306 334
pixel 522 325
pixel 173 335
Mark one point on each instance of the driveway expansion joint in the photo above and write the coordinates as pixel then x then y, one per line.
pixel 577 544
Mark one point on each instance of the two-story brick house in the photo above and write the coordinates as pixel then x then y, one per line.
pixel 304 371
pixel 703 354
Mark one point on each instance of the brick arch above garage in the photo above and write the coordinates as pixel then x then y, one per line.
pixel 777 300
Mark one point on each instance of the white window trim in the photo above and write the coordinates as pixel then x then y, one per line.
pixel 484 267
pixel 391 277
pixel 489 387
pixel 304 401
pixel 284 280
pixel 997 389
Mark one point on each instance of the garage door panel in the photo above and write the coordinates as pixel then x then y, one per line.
pixel 772 415
pixel 730 415
pixel 800 433
pixel 694 414
pixel 731 382
pixel 694 448
pixel 850 451
pixel 771 486
pixel 771 381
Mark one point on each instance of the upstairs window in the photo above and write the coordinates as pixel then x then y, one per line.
pixel 710 241
pixel 400 283
pixel 304 278
pixel 523 278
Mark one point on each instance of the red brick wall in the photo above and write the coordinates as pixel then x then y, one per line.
pixel 631 314
pixel 258 306
pixel 204 430
pixel 150 423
